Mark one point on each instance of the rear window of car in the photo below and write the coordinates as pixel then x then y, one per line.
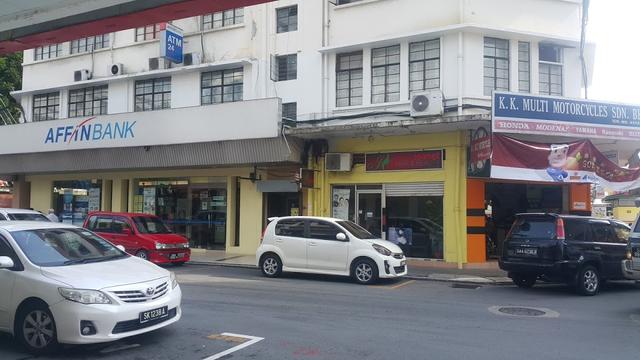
pixel 290 227
pixel 28 217
pixel 526 227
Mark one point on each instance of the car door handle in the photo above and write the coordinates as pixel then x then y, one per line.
pixel 313 244
pixel 597 248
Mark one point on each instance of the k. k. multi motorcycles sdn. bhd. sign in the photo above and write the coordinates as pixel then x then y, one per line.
pixel 545 115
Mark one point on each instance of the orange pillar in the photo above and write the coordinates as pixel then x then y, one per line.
pixel 476 243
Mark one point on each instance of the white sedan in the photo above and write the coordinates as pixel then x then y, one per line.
pixel 63 284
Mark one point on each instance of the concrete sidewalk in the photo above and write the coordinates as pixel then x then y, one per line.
pixel 419 269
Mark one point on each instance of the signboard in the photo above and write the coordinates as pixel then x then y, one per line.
pixel 171 43
pixel 532 114
pixel 410 160
pixel 578 162
pixel 479 155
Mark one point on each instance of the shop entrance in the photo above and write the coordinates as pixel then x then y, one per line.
pixel 208 216
pixel 370 211
pixel 282 204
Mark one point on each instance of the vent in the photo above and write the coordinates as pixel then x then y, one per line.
pixel 158 63
pixel 116 69
pixel 421 189
pixel 81 75
pixel 338 161
pixel 191 59
pixel 426 103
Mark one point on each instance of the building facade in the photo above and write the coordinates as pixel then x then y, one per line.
pixel 327 86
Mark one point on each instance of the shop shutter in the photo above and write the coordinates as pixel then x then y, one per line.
pixel 422 189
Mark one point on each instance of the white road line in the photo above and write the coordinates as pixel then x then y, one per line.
pixel 252 340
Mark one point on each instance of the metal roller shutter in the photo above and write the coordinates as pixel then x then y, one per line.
pixel 422 189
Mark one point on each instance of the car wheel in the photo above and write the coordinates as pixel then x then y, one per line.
pixel 271 265
pixel 36 329
pixel 365 272
pixel 588 281
pixel 524 281
pixel 143 255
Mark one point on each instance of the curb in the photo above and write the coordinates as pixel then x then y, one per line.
pixel 475 280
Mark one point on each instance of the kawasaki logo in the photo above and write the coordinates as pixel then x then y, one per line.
pixel 90 132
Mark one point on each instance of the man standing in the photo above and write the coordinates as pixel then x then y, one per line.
pixel 52 216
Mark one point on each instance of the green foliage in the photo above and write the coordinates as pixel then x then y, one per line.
pixel 10 80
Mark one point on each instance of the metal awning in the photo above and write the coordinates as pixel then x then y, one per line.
pixel 208 154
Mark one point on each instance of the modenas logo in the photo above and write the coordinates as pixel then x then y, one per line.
pixel 88 131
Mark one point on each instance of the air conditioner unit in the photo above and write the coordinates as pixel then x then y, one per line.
pixel 426 103
pixel 158 63
pixel 116 69
pixel 81 75
pixel 338 161
pixel 191 59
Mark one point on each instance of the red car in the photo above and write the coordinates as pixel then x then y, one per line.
pixel 142 235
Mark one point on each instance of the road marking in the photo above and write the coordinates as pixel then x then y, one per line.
pixel 402 284
pixel 227 338
pixel 249 340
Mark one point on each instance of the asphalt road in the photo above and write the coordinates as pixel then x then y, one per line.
pixel 314 317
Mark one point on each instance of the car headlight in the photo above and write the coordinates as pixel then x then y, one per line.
pixel 174 281
pixel 183 245
pixel 85 296
pixel 382 250
pixel 160 246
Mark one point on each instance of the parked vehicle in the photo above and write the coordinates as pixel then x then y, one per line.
pixel 327 246
pixel 64 284
pixel 22 215
pixel 580 251
pixel 631 264
pixel 142 235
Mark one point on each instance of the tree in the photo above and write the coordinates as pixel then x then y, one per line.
pixel 10 80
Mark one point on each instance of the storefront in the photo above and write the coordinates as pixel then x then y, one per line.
pixel 74 199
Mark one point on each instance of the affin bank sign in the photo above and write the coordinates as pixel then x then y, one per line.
pixel 90 131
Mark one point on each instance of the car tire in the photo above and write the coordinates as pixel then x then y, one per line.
pixel 271 265
pixel 143 254
pixel 588 281
pixel 36 329
pixel 524 281
pixel 365 272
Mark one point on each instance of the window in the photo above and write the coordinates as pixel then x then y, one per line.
pixel 622 233
pixel 46 106
pixel 290 111
pixel 349 79
pixel 221 86
pixel 103 225
pixel 153 94
pixel 48 52
pixel 524 70
pixel 148 32
pixel 343 2
pixel 424 65
pixel 150 225
pixel 287 67
pixel 90 43
pixel 28 217
pixel 88 101
pixel 550 69
pixel 575 230
pixel 322 230
pixel 290 227
pixel 496 65
pixel 600 232
pixel 385 74
pixel 2 217
pixel 287 19
pixel 223 18
pixel 119 225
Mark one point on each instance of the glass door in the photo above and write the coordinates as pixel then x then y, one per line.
pixel 209 217
pixel 370 211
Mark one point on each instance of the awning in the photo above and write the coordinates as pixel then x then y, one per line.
pixel 208 154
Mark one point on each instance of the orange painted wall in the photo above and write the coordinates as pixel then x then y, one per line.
pixel 476 244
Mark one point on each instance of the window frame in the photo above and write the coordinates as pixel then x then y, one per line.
pixel 424 61
pixel 288 74
pixel 209 21
pixel 495 58
pixel 352 75
pixel 103 102
pixel 223 75
pixel 328 223
pixel 75 46
pixel 162 93
pixel 387 95
pixel 39 55
pixel 288 16
pixel 304 228
pixel 109 229
pixel 521 73
pixel 293 104
pixel 55 106
pixel 146 35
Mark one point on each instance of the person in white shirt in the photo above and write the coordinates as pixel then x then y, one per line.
pixel 52 216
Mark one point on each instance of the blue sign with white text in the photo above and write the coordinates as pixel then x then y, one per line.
pixel 171 44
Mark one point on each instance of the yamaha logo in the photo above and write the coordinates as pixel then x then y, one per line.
pixel 150 291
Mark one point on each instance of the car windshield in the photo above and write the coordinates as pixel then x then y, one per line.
pixel 150 225
pixel 64 246
pixel 356 230
pixel 28 217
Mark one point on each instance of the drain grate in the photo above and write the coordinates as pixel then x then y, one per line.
pixel 521 311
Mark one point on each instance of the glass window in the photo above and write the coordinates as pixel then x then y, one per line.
pixel 223 18
pixel 221 86
pixel 119 225
pixel 290 227
pixel 90 43
pixel 88 101
pixel 349 79
pixel 46 106
pixel 342 2
pixel 385 74
pixel 150 225
pixel 356 230
pixel 61 247
pixel 74 199
pixel 550 53
pixel 287 67
pixel 103 225
pixel 290 111
pixel 550 79
pixel 496 65
pixel 148 32
pixel 600 232
pixel 287 19
pixel 48 52
pixel 153 94
pixel 622 232
pixel 424 65
pixel 524 67
pixel 534 228
pixel 575 230
pixel 92 222
pixel 322 230
pixel 2 217
pixel 28 217
pixel 415 224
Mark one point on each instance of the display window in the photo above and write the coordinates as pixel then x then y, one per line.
pixel 74 199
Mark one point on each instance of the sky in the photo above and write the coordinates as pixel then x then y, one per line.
pixel 614 27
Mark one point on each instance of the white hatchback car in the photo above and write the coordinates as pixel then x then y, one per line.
pixel 327 246
pixel 63 284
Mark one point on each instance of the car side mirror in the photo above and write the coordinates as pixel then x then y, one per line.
pixel 6 262
pixel 120 247
pixel 341 237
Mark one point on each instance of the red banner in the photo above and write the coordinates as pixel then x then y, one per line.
pixel 413 160
pixel 578 161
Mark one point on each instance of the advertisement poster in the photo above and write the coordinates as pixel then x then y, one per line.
pixel 410 160
pixel 340 203
pixel 578 161
pixel 479 155
pixel 400 236
pixel 67 210
pixel 94 199
pixel 149 204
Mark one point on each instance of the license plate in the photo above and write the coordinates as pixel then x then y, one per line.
pixel 154 314
pixel 526 251
pixel 176 256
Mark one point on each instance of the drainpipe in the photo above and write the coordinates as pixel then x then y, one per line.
pixel 583 31
pixel 457 198
pixel 460 57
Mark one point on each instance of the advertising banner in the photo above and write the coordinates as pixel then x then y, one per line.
pixel 410 160
pixel 532 114
pixel 171 41
pixel 578 161
pixel 340 204
pixel 479 154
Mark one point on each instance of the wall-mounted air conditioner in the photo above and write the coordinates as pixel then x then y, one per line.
pixel 338 161
pixel 116 69
pixel 158 63
pixel 192 58
pixel 81 75
pixel 426 103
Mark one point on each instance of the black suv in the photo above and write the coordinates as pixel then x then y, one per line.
pixel 577 250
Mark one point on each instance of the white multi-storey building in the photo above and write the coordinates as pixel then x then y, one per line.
pixel 213 145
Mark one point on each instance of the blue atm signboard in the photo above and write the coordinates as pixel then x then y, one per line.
pixel 171 43
pixel 545 115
